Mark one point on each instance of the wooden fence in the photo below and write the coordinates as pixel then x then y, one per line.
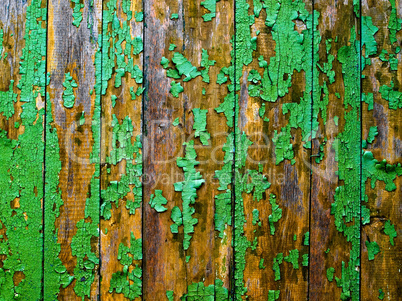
pixel 200 150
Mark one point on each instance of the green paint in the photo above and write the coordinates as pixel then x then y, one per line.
pixel 223 201
pixel 261 110
pixel 221 78
pixel 293 258
pixel 199 292
pixel 188 258
pixel 210 5
pixel 7 100
pixel 169 295
pixel 330 273
pixel 257 183
pixel 192 181
pixel 369 99
pixel 1 42
pixel 394 97
pixel 125 282
pixel 176 122
pixel 368 40
pixel 82 118
pixel 123 150
pixel 158 201
pixel 346 208
pixel 276 214
pixel 305 260
pixel 276 266
pixel 68 93
pixel 381 294
pixel 77 13
pixel 256 218
pixel 176 88
pixel 21 173
pixel 273 295
pixel 389 229
pixel 55 273
pixel 373 132
pixel 206 63
pixel 174 16
pixel 172 47
pixel 306 241
pixel 372 249
pixel 113 98
pixel 164 62
pixel 184 67
pixel 139 16
pixel 200 125
pixel 294 237
pixel 261 264
pixel 394 23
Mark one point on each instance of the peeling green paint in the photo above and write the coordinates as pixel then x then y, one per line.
pixel 7 100
pixel 392 96
pixel 206 63
pixel 176 122
pixel 128 281
pixel 55 273
pixel 389 229
pixel 77 13
pixel 381 294
pixel 395 24
pixel 293 258
pixel 68 93
pixel 346 208
pixel 200 292
pixel 123 150
pixel 192 181
pixel 330 274
pixel 200 125
pixel 21 169
pixel 158 201
pixel 278 259
pixel 372 249
pixel 174 16
pixel 210 5
pixel 305 260
pixel 256 218
pixel 276 214
pixel 223 201
pixel 169 295
pixel 176 88
pixel 261 264
pixel 273 295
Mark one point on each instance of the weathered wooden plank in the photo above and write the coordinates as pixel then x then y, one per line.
pixel 194 253
pixel 382 133
pixel 275 83
pixel 335 195
pixel 22 98
pixel 22 108
pixel 121 188
pixel 72 151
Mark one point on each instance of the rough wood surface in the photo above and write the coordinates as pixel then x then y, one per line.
pixel 211 150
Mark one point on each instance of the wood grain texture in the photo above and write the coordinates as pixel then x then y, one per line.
pixel 72 50
pixel 384 271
